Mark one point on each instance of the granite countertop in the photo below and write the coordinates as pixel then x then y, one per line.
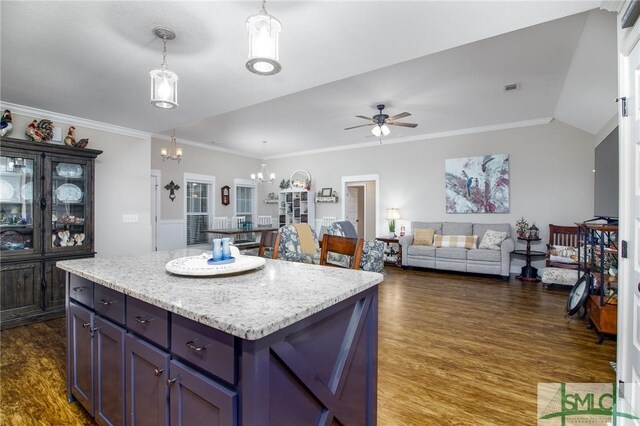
pixel 250 305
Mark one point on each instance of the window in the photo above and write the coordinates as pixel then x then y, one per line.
pixel 199 208
pixel 246 196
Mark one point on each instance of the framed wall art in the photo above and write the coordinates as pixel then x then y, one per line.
pixel 477 184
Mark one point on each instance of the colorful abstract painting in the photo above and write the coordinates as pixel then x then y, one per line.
pixel 477 184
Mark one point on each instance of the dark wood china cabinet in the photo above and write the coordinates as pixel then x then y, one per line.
pixel 46 215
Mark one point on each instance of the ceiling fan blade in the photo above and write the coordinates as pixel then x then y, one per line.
pixel 402 124
pixel 362 125
pixel 401 115
pixel 362 116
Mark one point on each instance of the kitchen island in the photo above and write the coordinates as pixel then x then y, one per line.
pixel 285 344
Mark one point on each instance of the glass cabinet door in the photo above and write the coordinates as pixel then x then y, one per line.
pixel 69 206
pixel 17 190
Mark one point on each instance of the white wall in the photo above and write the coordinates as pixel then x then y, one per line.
pixel 121 187
pixel 551 179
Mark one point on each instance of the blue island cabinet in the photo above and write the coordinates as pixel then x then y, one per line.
pixel 134 363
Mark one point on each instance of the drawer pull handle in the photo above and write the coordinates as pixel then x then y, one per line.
pixel 86 324
pixel 172 381
pixel 106 301
pixel 191 345
pixel 79 289
pixel 94 329
pixel 157 371
pixel 142 320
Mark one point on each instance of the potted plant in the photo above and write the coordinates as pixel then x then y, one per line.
pixel 392 227
pixel 392 215
pixel 522 227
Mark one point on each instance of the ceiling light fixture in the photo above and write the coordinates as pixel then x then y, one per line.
pixel 260 176
pixel 263 30
pixel 164 83
pixel 173 153
pixel 380 129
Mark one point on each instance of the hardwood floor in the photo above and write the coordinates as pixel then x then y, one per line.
pixel 453 350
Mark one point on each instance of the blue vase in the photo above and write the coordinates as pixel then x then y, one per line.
pixel 226 250
pixel 216 252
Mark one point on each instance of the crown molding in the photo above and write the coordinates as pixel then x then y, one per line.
pixel 424 136
pixel 76 121
pixel 205 146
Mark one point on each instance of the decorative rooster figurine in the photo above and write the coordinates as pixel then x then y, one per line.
pixel 6 123
pixel 70 139
pixel 33 133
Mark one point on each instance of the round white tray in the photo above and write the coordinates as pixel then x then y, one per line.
pixel 197 266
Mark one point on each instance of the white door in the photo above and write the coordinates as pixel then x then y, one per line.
pixel 629 265
pixel 352 206
pixel 155 188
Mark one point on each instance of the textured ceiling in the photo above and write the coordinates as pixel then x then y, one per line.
pixel 340 58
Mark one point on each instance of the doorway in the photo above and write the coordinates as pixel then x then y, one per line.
pixel 360 205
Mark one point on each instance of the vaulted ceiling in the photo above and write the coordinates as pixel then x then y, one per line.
pixel 444 62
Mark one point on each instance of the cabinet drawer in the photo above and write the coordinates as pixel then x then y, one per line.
pixel 148 321
pixel 108 303
pixel 209 349
pixel 81 290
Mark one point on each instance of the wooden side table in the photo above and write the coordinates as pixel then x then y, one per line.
pixel 529 273
pixel 392 255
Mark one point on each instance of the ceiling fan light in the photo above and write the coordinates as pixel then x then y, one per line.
pixel 376 131
pixel 263 31
pixel 385 130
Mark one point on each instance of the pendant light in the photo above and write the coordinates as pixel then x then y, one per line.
pixel 173 153
pixel 263 31
pixel 164 83
pixel 261 176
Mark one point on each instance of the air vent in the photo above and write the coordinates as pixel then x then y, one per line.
pixel 512 87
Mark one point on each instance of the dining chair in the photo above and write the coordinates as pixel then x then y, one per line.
pixel 269 244
pixel 299 243
pixel 265 221
pixel 220 222
pixel 341 245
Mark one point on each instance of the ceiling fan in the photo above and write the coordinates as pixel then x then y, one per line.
pixel 380 122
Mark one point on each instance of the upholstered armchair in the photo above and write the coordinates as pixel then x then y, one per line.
pixel 372 250
pixel 298 243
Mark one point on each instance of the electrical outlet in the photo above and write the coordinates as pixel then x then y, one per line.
pixel 129 218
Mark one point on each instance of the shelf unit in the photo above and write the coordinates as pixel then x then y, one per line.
pixel 46 215
pixel 327 199
pixel 596 243
pixel 294 206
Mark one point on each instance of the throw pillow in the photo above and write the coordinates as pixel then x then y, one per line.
pixel 461 241
pixel 423 236
pixel 492 240
pixel 563 254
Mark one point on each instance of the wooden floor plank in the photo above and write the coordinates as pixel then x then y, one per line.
pixel 453 350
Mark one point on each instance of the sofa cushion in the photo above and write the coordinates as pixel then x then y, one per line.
pixel 415 250
pixel 456 228
pixel 423 236
pixel 423 225
pixel 461 241
pixel 451 253
pixel 480 228
pixel 492 240
pixel 484 255
pixel 563 254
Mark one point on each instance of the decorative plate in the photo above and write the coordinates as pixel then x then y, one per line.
pixel 69 170
pixel 11 240
pixel 27 191
pixel 69 193
pixel 6 190
pixel 197 266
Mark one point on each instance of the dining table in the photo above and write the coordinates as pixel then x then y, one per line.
pixel 244 243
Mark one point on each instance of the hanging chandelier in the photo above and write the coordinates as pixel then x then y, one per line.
pixel 173 153
pixel 164 83
pixel 263 30
pixel 261 176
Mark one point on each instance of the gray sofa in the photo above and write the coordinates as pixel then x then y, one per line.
pixel 483 261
